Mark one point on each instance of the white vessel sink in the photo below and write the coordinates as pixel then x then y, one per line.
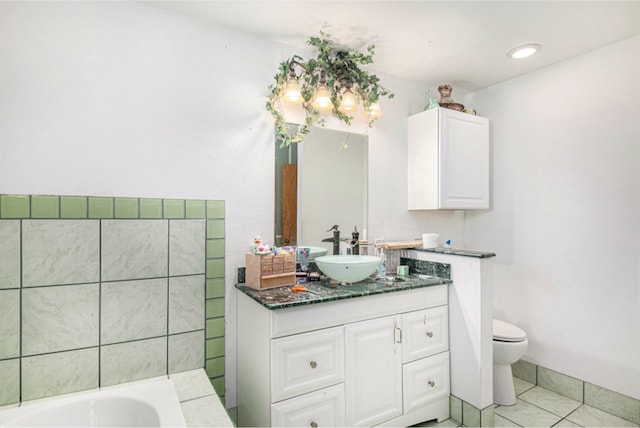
pixel 315 251
pixel 348 268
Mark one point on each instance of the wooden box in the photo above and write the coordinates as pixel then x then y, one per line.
pixel 270 270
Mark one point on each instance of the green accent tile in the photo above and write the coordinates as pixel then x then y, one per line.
pixel 214 328
pixel 14 206
pixel 215 308
pixel 215 367
pixel 218 385
pixel 215 229
pixel 45 206
pixel 215 347
pixel 173 208
pixel 73 207
pixel 215 288
pixel 215 268
pixel 196 209
pixel 215 209
pixel 100 207
pixel 150 208
pixel 215 248
pixel 126 207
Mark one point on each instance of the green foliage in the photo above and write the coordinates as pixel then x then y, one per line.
pixel 340 68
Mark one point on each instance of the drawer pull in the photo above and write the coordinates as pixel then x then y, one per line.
pixel 313 365
pixel 313 425
pixel 431 383
pixel 429 334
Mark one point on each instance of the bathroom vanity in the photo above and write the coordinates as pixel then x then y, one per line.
pixel 375 353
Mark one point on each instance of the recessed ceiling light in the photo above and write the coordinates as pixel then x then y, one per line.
pixel 523 51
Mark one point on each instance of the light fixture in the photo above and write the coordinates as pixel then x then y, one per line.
pixel 524 51
pixel 374 110
pixel 322 101
pixel 331 82
pixel 292 94
pixel 348 103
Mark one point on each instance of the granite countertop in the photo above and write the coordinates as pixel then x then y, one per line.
pixel 321 291
pixel 457 252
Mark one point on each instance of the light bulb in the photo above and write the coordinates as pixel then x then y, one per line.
pixel 292 94
pixel 322 101
pixel 348 103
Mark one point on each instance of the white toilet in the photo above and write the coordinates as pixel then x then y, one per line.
pixel 509 345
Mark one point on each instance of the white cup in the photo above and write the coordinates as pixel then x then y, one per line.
pixel 430 240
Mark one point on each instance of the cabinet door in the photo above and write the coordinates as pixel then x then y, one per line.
pixel 324 408
pixel 305 362
pixel 425 381
pixel 373 375
pixel 425 333
pixel 464 160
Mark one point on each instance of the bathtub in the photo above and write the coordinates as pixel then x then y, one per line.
pixel 151 403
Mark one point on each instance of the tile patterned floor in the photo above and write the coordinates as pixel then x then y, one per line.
pixel 539 407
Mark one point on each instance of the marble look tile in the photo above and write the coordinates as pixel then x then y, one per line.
pixel 434 423
pixel 186 351
pixel 560 383
pixel 612 402
pixel 186 247
pixel 192 384
pixel 503 422
pixel 59 318
pixel 528 415
pixel 521 385
pixel 550 401
pixel 56 252
pixel 9 254
pixel 126 362
pixel 455 408
pixel 59 373
pixel 487 416
pixel 588 416
pixel 9 324
pixel 134 249
pixel 133 310
pixel 205 412
pixel 10 381
pixel 186 303
pixel 470 415
pixel 566 423
pixel 525 370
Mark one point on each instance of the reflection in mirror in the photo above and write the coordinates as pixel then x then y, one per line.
pixel 319 183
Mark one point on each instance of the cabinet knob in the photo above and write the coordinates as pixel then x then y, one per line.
pixel 429 334
pixel 431 383
pixel 313 365
pixel 313 425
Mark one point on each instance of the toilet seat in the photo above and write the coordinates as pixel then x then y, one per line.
pixel 505 332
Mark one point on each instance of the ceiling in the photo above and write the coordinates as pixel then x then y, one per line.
pixel 463 43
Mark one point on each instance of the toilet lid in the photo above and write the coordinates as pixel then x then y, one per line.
pixel 507 332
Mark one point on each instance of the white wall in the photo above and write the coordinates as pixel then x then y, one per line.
pixel 565 221
pixel 123 99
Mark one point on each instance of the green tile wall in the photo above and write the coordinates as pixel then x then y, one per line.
pixel 93 207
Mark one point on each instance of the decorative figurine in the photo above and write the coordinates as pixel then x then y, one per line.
pixel 445 98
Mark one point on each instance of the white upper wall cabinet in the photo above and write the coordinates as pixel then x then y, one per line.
pixel 448 160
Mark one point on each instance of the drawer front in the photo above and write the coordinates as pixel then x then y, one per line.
pixel 425 381
pixel 306 362
pixel 425 333
pixel 324 408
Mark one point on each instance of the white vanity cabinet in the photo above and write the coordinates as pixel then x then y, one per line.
pixel 447 160
pixel 369 361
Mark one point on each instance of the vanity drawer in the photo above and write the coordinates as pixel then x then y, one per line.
pixel 324 408
pixel 425 381
pixel 425 333
pixel 306 362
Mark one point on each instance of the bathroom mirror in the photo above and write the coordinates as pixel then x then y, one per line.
pixel 321 182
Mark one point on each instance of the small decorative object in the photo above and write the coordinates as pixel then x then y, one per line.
pixel 445 98
pixel 331 82
pixel 470 111
pixel 258 247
